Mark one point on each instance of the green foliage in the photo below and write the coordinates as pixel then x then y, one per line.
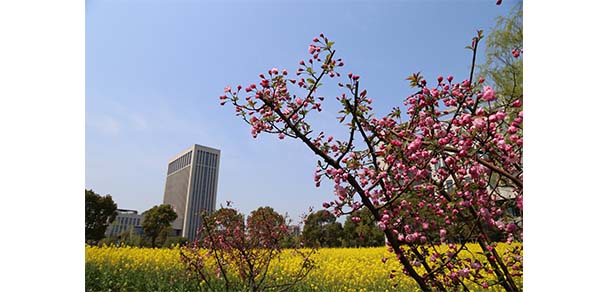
pixel 99 213
pixel 266 213
pixel 156 220
pixel 172 241
pixel 225 218
pixel 321 230
pixel 364 233
pixel 126 238
pixel 290 241
pixel 503 70
pixel 104 276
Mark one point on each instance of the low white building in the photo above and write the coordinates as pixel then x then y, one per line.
pixel 125 220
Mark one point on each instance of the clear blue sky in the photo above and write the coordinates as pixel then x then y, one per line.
pixel 155 69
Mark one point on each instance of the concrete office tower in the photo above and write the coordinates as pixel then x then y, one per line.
pixel 190 187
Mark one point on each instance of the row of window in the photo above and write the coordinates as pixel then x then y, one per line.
pixel 121 224
pixel 115 230
pixel 180 163
pixel 204 189
pixel 127 221
pixel 207 158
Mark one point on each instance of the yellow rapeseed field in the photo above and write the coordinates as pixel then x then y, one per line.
pixel 337 269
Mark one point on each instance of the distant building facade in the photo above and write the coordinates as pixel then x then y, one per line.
pixel 191 186
pixel 125 220
pixel 294 230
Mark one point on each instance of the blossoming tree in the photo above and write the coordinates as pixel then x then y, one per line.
pixel 447 165
pixel 232 255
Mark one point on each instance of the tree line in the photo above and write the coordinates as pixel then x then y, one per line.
pixel 101 212
pixel 320 228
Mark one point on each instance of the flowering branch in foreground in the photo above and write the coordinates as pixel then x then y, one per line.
pixel 447 170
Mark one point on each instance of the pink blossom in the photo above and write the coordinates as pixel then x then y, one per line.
pixel 443 232
pixel 500 115
pixel 479 123
pixel 449 160
pixel 516 53
pixel 464 272
pixel 312 49
pixel 488 93
pixel 340 192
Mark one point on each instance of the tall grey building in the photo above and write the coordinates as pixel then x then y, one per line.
pixel 190 187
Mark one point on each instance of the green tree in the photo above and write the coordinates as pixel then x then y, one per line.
pixel 156 220
pixel 264 223
pixel 504 70
pixel 172 241
pixel 503 67
pixel 239 255
pixel 225 218
pixel 127 237
pixel 362 232
pixel 321 229
pixel 100 211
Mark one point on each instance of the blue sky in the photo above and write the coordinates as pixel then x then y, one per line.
pixel 155 69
